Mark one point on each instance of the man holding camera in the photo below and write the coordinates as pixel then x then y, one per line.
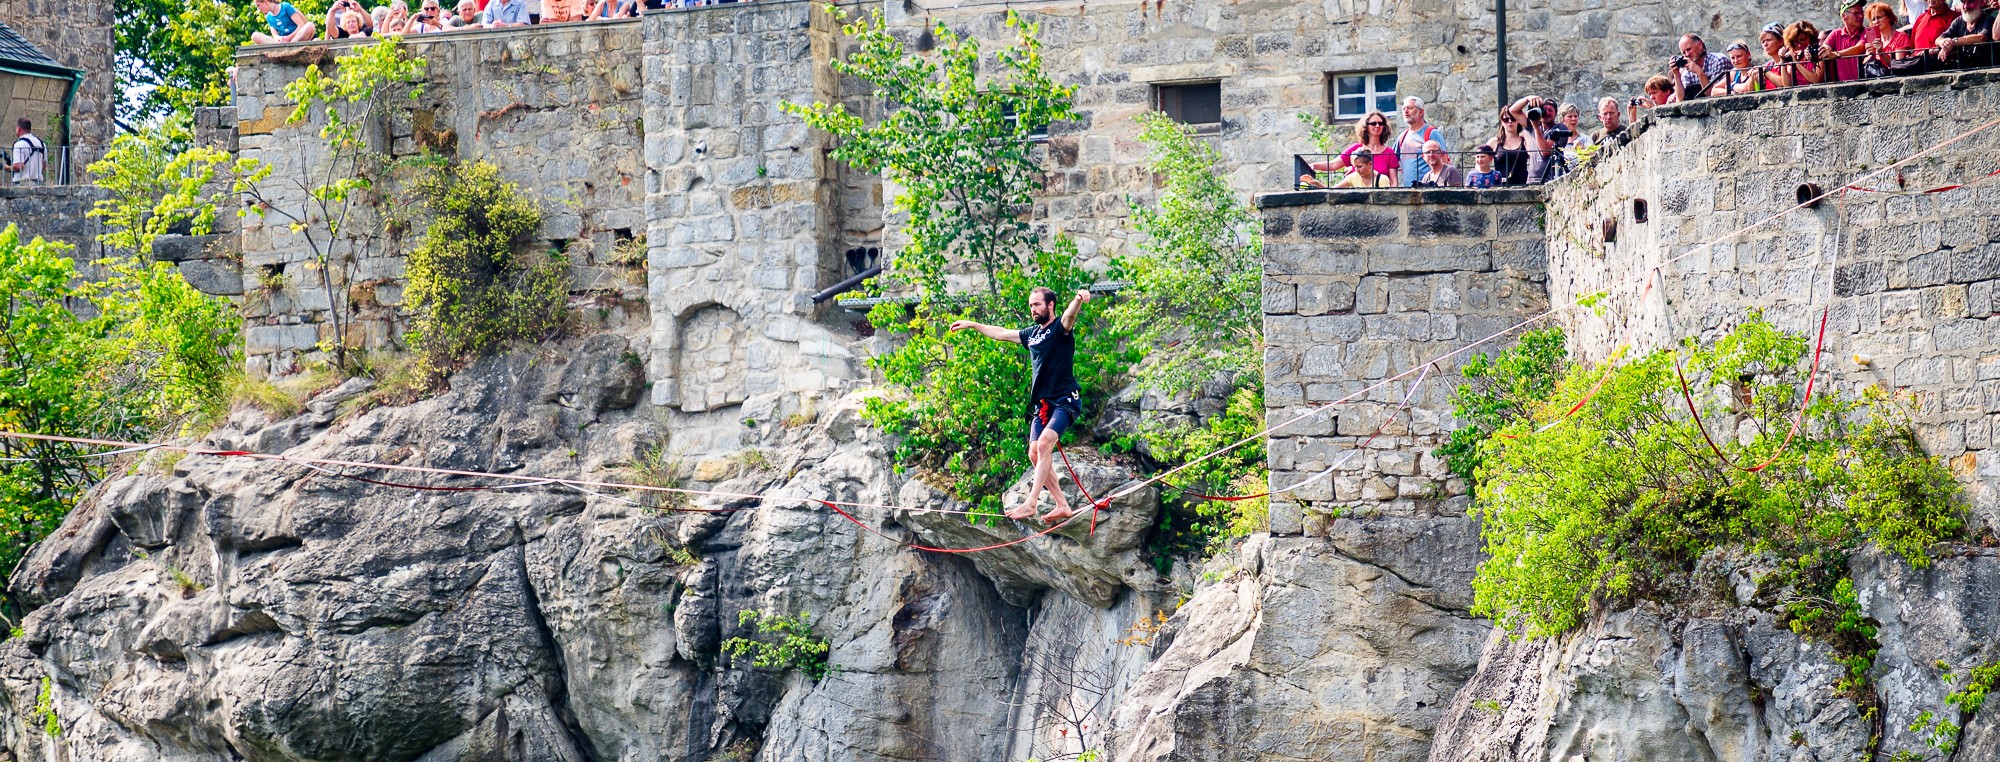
pixel 1695 67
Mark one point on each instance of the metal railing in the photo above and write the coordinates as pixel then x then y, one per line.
pixel 1321 171
pixel 62 166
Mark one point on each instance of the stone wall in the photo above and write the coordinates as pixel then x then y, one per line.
pixel 1363 287
pixel 1908 277
pixel 744 212
pixel 1273 60
pixel 77 34
pixel 557 108
pixel 57 214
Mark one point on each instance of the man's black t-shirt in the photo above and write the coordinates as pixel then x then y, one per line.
pixel 1052 350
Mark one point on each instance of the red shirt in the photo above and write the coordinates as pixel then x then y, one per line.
pixel 1925 30
pixel 1839 39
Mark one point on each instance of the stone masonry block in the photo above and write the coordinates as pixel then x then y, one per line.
pixel 1403 258
pixel 1349 223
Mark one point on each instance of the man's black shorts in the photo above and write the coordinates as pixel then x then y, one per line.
pixel 1062 411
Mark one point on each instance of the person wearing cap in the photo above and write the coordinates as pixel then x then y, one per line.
pixel 1743 77
pixel 1701 67
pixel 1409 144
pixel 1776 74
pixel 1961 44
pixel 1484 175
pixel 1932 22
pixel 1848 42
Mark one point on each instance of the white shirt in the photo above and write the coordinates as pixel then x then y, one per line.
pixel 32 155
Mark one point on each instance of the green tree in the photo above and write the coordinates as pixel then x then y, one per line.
pixel 371 86
pixel 151 355
pixel 470 285
pixel 1198 278
pixel 178 52
pixel 158 179
pixel 1619 500
pixel 958 147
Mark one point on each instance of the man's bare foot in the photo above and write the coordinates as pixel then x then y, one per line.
pixel 1022 513
pixel 1059 514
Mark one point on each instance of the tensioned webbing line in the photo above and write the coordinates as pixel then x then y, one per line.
pixel 836 505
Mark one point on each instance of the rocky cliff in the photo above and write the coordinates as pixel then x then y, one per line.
pixel 214 608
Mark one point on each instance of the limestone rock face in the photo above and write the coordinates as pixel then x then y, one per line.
pixel 1735 685
pixel 1304 652
pixel 253 609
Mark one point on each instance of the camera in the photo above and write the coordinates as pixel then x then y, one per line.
pixel 1559 136
pixel 1535 114
pixel 1633 102
pixel 1678 62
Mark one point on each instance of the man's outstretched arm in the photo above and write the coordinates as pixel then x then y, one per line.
pixel 1069 313
pixel 990 331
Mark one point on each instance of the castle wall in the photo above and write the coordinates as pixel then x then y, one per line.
pixel 556 108
pixel 1909 277
pixel 1361 287
pixel 1274 58
pixel 57 214
pixel 744 210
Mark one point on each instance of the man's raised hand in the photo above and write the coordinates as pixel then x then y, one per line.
pixel 958 325
pixel 1083 294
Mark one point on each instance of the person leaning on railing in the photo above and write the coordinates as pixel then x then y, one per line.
pixel 1930 24
pixel 1370 134
pixel 1437 168
pixel 1776 74
pixel 1746 77
pixel 1483 174
pixel 1846 43
pixel 1803 55
pixel 1960 45
pixel 1510 149
pixel 1887 47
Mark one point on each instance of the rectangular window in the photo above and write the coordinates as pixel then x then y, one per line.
pixel 1036 132
pixel 1193 103
pixel 1355 94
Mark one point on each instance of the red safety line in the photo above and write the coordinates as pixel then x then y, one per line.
pixel 913 546
pixel 1797 420
pixel 1939 189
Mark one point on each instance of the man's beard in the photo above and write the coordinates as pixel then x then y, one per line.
pixel 1044 318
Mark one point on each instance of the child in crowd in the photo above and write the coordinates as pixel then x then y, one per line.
pixel 1484 175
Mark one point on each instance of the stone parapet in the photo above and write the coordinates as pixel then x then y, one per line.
pixel 1361 287
pixel 57 214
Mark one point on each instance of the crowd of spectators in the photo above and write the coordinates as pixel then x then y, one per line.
pixel 349 18
pixel 1539 140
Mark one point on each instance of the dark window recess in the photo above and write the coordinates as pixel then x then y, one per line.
pixel 1638 210
pixel 1197 103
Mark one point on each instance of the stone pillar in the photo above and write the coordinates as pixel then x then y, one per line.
pixel 743 223
pixel 1362 287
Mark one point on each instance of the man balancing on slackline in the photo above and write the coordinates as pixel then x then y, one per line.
pixel 1055 400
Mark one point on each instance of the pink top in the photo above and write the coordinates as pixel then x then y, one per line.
pixel 1385 159
pixel 1899 41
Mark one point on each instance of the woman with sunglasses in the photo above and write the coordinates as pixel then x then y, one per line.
pixel 1371 133
pixel 1510 150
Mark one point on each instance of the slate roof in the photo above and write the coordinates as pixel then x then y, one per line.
pixel 14 49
